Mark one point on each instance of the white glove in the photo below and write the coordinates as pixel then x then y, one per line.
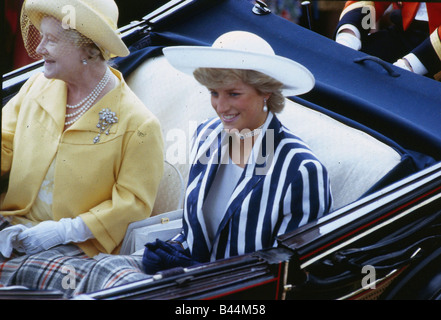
pixel 48 234
pixel 400 63
pixel 348 40
pixel 416 65
pixel 9 240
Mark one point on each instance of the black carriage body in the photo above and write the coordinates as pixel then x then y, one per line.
pixel 393 229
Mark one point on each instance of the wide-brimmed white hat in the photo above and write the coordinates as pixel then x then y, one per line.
pixel 95 19
pixel 243 50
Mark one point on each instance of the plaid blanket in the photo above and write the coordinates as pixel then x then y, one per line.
pixel 3 222
pixel 69 270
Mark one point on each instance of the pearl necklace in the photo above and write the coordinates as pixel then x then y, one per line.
pixel 88 101
pixel 249 133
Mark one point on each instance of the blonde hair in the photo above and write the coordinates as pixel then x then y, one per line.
pixel 214 78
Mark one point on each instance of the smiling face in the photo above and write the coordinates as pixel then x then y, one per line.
pixel 62 57
pixel 239 106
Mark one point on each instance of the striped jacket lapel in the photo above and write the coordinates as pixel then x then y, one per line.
pixel 205 154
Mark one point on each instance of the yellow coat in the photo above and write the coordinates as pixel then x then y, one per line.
pixel 109 184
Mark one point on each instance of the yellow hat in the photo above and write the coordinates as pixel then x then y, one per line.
pixel 95 19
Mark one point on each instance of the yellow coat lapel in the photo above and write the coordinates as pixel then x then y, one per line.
pixel 53 101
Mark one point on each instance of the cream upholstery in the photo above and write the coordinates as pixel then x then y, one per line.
pixel 355 160
pixel 180 103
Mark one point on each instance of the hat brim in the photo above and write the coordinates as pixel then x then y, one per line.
pixel 296 78
pixel 87 21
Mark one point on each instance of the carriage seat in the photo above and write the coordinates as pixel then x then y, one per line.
pixel 355 160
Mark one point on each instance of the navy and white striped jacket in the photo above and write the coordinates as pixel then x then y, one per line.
pixel 283 186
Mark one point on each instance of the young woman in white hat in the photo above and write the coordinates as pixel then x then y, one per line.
pixel 83 155
pixel 251 179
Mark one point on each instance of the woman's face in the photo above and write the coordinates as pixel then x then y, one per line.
pixel 239 106
pixel 62 58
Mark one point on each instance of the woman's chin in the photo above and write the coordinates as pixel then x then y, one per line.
pixel 49 70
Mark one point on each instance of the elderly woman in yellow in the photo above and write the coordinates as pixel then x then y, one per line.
pixel 83 155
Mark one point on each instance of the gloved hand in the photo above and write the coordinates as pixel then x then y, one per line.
pixel 348 40
pixel 412 63
pixel 174 255
pixel 403 65
pixel 48 234
pixel 150 260
pixel 160 255
pixel 9 240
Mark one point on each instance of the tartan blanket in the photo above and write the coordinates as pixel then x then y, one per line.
pixel 3 222
pixel 69 270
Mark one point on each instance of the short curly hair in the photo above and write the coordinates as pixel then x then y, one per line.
pixel 215 77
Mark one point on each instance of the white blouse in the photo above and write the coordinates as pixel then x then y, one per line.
pixel 219 194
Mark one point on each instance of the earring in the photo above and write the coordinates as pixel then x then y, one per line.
pixel 84 61
pixel 265 108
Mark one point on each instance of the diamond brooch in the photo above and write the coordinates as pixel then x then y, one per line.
pixel 107 119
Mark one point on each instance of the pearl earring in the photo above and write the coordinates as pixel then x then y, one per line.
pixel 84 61
pixel 265 108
